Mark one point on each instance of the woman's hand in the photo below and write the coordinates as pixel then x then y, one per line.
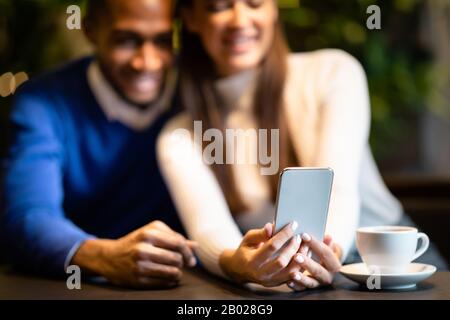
pixel 316 274
pixel 263 259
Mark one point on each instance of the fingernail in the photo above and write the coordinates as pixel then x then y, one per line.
pixel 306 237
pixel 294 225
pixel 298 239
pixel 192 262
pixel 267 229
pixel 300 258
pixel 290 284
pixel 297 276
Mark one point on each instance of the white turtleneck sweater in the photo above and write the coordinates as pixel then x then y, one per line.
pixel 328 115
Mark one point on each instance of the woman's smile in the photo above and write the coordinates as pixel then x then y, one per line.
pixel 240 43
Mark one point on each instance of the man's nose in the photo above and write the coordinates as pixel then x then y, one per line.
pixel 147 58
pixel 239 14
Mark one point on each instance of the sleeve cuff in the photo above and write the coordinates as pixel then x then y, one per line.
pixel 73 250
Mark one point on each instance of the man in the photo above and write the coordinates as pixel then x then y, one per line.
pixel 82 182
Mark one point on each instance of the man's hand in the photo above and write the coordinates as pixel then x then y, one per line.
pixel 151 256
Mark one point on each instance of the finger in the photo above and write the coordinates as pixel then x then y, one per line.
pixel 151 253
pixel 156 270
pixel 276 242
pixel 269 229
pixel 296 286
pixel 256 236
pixel 159 225
pixel 316 270
pixel 274 271
pixel 288 272
pixel 283 259
pixel 164 227
pixel 171 242
pixel 328 240
pixel 303 280
pixel 192 244
pixel 304 249
pixel 334 246
pixel 324 252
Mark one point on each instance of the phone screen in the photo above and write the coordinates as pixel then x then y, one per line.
pixel 304 196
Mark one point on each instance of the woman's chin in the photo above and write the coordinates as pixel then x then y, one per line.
pixel 239 64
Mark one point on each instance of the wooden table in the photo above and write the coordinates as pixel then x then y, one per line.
pixel 196 284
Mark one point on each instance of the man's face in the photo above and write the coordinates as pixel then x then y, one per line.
pixel 133 41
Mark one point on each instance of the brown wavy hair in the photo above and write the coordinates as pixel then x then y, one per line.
pixel 199 98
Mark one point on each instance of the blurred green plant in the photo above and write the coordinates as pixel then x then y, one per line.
pixel 30 41
pixel 398 66
pixel 288 3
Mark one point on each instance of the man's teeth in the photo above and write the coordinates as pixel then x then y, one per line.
pixel 145 83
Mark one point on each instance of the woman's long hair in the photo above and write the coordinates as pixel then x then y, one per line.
pixel 199 98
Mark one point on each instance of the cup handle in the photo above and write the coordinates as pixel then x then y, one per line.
pixel 423 246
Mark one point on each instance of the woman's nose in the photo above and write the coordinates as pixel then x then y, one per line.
pixel 239 14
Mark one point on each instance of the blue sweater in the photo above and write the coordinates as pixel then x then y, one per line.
pixel 71 174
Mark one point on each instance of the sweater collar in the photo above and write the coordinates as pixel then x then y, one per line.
pixel 117 109
pixel 236 91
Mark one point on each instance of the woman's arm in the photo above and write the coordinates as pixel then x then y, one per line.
pixel 342 134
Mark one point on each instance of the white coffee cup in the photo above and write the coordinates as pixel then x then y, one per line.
pixel 390 249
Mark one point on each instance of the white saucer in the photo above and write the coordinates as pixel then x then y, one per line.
pixel 416 272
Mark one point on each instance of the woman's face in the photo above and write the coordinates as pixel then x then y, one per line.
pixel 235 33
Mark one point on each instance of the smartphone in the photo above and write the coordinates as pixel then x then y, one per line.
pixel 304 196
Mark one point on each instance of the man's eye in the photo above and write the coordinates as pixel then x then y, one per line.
pixel 126 42
pixel 255 3
pixel 164 42
pixel 218 5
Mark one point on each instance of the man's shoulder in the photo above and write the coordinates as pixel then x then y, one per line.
pixel 51 96
pixel 67 78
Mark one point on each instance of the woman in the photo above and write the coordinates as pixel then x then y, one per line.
pixel 236 72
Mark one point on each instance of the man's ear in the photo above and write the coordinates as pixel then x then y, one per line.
pixel 189 20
